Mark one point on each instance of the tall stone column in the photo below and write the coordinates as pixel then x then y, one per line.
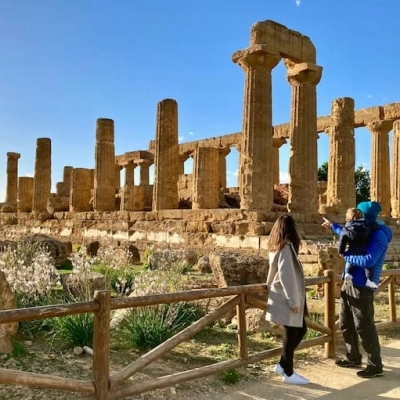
pixel 276 145
pixel 145 172
pixel 105 169
pixel 205 178
pixel 395 189
pixel 303 160
pixel 25 194
pixel 341 193
pixel 380 163
pixel 81 190
pixel 255 171
pixel 222 166
pixel 130 174
pixel 12 178
pixel 64 187
pixel 42 179
pixel 166 159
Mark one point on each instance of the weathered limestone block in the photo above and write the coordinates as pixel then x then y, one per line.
pixel 329 258
pixel 203 265
pixel 171 259
pixel 83 286
pixel 7 302
pixel 233 269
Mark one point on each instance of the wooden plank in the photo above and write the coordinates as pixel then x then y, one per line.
pixel 56 310
pixel 242 327
pixel 14 377
pixel 392 300
pixel 189 295
pixel 329 306
pixel 163 348
pixel 170 380
pixel 101 344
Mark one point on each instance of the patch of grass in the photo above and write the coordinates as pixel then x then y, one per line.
pixel 74 330
pixel 231 376
pixel 147 327
pixel 18 349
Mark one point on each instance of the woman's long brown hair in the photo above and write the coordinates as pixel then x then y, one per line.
pixel 283 231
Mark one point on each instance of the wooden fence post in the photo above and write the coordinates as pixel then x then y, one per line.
pixel 392 299
pixel 101 345
pixel 242 327
pixel 329 297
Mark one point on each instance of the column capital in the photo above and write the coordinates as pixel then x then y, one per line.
pixel 277 142
pixel 382 126
pixel 144 163
pixel 256 56
pixel 396 126
pixel 300 73
pixel 13 156
pixel 224 151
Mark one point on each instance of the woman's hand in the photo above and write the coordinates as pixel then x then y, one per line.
pixel 296 309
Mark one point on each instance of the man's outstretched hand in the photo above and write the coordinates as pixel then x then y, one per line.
pixel 326 223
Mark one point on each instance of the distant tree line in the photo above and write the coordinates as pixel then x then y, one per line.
pixel 362 181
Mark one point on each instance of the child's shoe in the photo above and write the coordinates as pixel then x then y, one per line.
pixel 348 280
pixel 370 284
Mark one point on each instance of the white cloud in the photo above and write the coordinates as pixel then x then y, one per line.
pixel 298 2
pixel 181 138
pixel 191 133
pixel 234 173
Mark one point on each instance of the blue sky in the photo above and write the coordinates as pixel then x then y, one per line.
pixel 65 63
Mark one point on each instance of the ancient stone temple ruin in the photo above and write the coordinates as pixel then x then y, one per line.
pixel 198 210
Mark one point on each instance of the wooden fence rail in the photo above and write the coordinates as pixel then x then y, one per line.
pixel 114 387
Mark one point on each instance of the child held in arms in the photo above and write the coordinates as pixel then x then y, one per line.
pixel 354 239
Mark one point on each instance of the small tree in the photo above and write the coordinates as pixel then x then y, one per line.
pixel 363 184
pixel 362 181
pixel 323 172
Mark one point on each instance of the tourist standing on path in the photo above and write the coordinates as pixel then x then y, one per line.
pixel 357 300
pixel 286 294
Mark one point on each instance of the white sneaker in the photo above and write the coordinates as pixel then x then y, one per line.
pixel 295 379
pixel 278 369
pixel 371 284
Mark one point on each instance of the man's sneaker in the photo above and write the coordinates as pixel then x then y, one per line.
pixel 295 379
pixel 345 363
pixel 278 369
pixel 370 372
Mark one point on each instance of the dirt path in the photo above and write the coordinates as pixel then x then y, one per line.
pixel 328 382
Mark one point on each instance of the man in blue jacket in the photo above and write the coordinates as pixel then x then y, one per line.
pixel 357 301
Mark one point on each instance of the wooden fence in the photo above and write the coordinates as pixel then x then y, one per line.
pixel 113 387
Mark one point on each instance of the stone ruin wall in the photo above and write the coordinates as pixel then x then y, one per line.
pixel 197 210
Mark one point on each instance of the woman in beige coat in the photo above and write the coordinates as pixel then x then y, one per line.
pixel 286 293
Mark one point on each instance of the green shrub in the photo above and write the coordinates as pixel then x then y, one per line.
pixel 18 349
pixel 147 327
pixel 231 376
pixel 75 330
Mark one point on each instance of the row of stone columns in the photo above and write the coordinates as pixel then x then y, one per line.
pixel 341 184
pixel 258 172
